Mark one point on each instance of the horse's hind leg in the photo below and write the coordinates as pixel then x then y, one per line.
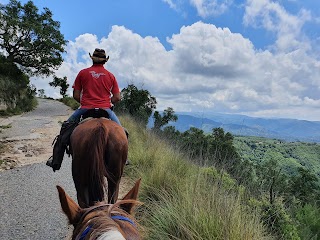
pixel 83 197
pixel 113 189
pixel 114 166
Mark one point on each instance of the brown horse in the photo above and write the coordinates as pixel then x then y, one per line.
pixel 99 149
pixel 102 221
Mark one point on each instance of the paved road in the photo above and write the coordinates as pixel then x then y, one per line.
pixel 29 204
pixel 23 125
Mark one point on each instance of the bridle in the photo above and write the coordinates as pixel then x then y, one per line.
pixel 94 208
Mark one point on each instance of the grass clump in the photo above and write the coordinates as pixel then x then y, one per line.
pixel 5 126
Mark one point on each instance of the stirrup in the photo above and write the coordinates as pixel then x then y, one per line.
pixel 54 141
pixel 54 167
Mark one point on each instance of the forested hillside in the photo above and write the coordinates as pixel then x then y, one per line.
pixel 278 178
pixel 289 155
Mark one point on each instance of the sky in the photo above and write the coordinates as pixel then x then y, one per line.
pixel 259 58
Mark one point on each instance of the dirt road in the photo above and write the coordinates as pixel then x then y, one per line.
pixel 30 208
pixel 28 137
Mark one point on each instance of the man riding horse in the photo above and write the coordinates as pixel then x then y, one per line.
pixel 94 87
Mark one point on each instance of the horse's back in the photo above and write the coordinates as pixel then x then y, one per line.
pixel 98 132
pixel 99 149
pixel 113 131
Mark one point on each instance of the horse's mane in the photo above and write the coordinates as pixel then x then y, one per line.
pixel 97 169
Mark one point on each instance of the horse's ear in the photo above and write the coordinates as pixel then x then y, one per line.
pixel 69 207
pixel 132 195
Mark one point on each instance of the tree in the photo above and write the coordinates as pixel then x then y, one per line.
pixel 195 142
pixel 15 89
pixel 219 135
pixel 305 186
pixel 31 39
pixel 223 151
pixel 167 116
pixel 41 93
pixel 62 83
pixel 138 103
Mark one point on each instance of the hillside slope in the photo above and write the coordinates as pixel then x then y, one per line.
pixel 185 201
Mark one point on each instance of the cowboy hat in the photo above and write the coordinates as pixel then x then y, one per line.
pixel 99 55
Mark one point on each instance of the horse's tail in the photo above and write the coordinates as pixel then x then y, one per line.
pixel 96 155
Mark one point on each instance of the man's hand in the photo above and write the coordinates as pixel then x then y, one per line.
pixel 76 95
pixel 115 98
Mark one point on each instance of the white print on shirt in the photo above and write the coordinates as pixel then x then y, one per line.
pixel 96 75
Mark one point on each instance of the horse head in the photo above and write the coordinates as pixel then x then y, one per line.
pixel 103 221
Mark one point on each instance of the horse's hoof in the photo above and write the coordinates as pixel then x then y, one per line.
pixel 128 162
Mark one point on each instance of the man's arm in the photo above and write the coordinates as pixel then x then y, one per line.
pixel 76 95
pixel 115 98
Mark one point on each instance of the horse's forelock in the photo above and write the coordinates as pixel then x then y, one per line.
pixel 97 222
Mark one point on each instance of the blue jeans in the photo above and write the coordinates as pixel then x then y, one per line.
pixel 75 117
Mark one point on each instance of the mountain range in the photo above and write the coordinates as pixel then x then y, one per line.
pixel 278 128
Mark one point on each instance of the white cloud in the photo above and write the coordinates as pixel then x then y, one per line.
pixel 208 69
pixel 206 8
pixel 273 17
pixel 171 4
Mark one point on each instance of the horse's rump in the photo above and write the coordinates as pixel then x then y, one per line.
pixel 99 150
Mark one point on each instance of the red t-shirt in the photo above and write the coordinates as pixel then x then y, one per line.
pixel 96 84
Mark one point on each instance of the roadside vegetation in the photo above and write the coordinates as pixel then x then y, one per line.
pixel 5 126
pixel 183 200
pixel 31 45
pixel 69 101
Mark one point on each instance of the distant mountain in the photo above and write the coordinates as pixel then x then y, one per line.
pixel 285 129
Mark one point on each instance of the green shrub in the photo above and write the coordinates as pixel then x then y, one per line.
pixel 308 217
pixel 69 101
pixel 15 89
pixel 278 221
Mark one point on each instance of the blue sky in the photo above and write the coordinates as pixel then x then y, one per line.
pixel 253 57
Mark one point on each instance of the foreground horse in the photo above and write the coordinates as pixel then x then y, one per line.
pixel 99 149
pixel 102 221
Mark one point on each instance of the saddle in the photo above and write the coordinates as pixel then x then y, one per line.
pixel 95 113
pixel 89 114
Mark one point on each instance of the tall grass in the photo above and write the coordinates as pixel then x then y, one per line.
pixel 184 201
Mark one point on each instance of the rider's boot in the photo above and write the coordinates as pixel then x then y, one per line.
pixel 60 145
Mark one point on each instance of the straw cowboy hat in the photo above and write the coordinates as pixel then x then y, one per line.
pixel 99 55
